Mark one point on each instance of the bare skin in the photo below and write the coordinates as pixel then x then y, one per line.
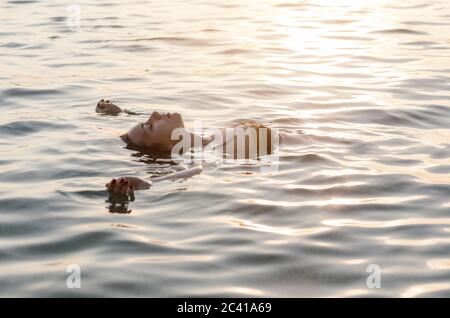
pixel 126 185
pixel 156 133
pixel 107 107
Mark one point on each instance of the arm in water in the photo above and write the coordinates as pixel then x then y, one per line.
pixel 127 185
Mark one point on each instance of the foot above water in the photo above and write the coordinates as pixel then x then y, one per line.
pixel 107 107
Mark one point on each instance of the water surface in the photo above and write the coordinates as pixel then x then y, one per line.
pixel 365 82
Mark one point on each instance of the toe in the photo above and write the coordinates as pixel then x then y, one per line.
pixel 125 187
pixel 117 187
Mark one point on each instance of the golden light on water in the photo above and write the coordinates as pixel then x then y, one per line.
pixel 423 289
pixel 358 90
pixel 441 264
pixel 387 223
pixel 245 224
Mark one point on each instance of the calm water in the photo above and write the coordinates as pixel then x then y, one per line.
pixel 366 82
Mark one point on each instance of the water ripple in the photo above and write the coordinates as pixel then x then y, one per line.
pixel 358 89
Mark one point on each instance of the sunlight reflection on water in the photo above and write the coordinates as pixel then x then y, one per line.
pixel 363 84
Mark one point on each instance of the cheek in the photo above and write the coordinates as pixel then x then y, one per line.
pixel 161 134
pixel 160 130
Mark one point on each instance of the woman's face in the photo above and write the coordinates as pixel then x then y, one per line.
pixel 156 131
